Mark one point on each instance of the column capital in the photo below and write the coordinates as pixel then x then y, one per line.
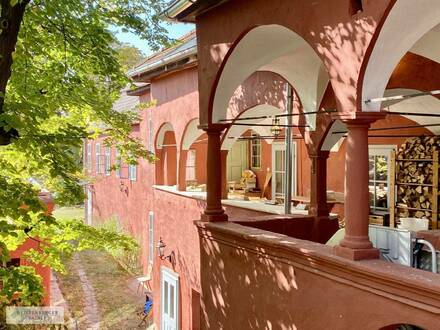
pixel 360 118
pixel 320 154
pixel 213 128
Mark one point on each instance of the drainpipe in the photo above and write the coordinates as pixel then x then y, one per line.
pixel 150 131
pixel 288 158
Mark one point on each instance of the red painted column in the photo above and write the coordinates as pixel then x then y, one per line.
pixel 214 210
pixel 170 155
pixel 318 186
pixel 181 176
pixel 356 244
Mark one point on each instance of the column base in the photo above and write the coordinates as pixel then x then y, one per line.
pixel 356 254
pixel 214 217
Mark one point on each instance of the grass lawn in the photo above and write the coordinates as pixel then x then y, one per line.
pixel 117 303
pixel 69 213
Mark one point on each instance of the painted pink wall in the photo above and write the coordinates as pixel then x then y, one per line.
pixel 43 271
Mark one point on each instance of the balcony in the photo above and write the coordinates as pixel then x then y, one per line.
pixel 264 280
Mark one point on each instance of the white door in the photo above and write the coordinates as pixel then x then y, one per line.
pixel 89 207
pixel 237 160
pixel 279 169
pixel 170 303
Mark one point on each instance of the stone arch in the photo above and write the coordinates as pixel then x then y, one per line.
pixel 278 50
pixel 401 326
pixel 406 24
pixel 427 103
pixel 190 134
pixel 234 132
pixel 166 151
pixel 160 135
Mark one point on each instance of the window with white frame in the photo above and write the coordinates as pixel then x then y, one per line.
pixel 132 169
pixel 118 163
pixel 107 160
pixel 379 179
pixel 98 158
pixel 255 151
pixel 89 156
pixel 191 165
pixel 151 236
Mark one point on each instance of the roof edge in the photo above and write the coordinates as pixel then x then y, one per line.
pixel 176 8
pixel 187 10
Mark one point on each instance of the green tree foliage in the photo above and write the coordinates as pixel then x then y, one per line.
pixel 59 76
pixel 128 55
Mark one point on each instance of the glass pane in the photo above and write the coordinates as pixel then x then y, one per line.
pixel 371 192
pixel 371 167
pixel 172 301
pixel 381 195
pixel 279 180
pixel 381 168
pixel 165 297
pixel 279 160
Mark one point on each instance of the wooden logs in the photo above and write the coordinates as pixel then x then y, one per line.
pixel 416 179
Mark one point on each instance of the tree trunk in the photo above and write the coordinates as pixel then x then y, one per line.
pixel 10 22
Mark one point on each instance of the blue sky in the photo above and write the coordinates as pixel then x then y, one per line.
pixel 175 31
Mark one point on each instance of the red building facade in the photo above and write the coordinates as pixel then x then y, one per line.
pixel 244 264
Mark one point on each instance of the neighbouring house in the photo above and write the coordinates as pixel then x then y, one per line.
pixel 215 196
pixel 34 244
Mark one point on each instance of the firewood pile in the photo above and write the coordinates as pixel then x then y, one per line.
pixel 414 177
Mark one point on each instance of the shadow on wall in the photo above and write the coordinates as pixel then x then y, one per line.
pixel 250 281
pixel 306 228
pixel 189 290
pixel 262 87
pixel 353 35
pixel 256 309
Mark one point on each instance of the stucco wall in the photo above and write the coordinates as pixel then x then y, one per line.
pixel 261 280
pixel 43 271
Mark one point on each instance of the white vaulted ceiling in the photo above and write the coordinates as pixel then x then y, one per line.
pixel 273 48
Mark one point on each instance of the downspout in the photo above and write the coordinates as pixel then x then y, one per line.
pixel 150 132
pixel 288 158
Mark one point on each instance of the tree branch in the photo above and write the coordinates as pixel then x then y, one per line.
pixel 10 21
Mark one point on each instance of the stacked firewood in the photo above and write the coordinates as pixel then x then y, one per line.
pixel 414 179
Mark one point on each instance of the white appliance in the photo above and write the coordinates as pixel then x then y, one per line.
pixel 397 245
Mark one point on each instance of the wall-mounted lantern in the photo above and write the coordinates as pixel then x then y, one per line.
pixel 123 187
pixel 161 251
pixel 275 129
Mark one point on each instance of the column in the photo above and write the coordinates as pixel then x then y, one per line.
pixel 318 186
pixel 214 210
pixel 181 176
pixel 356 244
